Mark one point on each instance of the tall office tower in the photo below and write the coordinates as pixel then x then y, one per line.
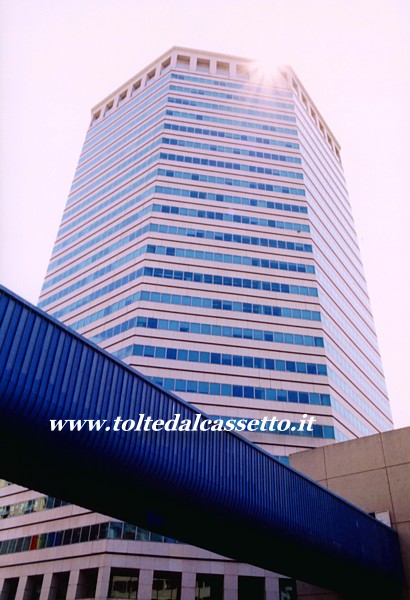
pixel 208 242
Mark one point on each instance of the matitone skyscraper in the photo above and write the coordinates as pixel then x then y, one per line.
pixel 207 241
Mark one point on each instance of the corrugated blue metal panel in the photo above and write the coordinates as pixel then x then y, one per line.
pixel 211 489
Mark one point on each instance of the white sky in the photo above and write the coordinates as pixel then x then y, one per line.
pixel 60 58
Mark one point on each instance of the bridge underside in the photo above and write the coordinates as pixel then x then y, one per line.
pixel 210 489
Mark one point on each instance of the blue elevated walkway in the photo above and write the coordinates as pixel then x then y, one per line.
pixel 211 489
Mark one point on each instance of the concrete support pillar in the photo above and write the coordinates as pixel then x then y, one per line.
pixel 271 588
pixel 188 582
pixel 231 587
pixel 46 588
pixel 21 588
pixel 103 581
pixel 145 584
pixel 72 584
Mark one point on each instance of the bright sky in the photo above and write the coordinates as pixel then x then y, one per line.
pixel 58 59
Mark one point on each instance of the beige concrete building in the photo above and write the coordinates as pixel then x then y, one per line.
pixel 372 472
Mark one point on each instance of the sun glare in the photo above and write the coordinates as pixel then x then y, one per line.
pixel 265 70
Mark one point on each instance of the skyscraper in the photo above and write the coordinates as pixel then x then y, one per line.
pixel 208 241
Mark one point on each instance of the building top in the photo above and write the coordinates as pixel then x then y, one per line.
pixel 219 66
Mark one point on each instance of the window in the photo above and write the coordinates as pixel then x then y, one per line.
pixel 129 531
pixel 304 100
pixel 33 587
pixel 313 114
pixel 165 65
pixel 203 65
pixel 150 76
pixel 95 118
pixel 287 589
pixel 87 583
pixel 209 587
pixel 115 530
pixel 10 588
pixel 222 68
pixel 166 586
pixel 123 583
pixel 109 107
pixel 136 86
pixel 59 586
pixel 121 98
pixel 251 587
pixel 295 86
pixel 183 62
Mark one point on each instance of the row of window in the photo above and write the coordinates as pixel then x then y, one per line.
pixel 240 151
pixel 181 253
pixel 199 302
pixel 185 193
pixel 259 393
pixel 249 184
pixel 135 156
pixel 199 233
pixel 229 199
pixel 275 337
pixel 216 358
pixel 124 583
pixel 128 142
pixel 95 257
pixel 127 114
pixel 90 533
pixel 230 258
pixel 178 192
pixel 164 173
pixel 134 153
pixel 124 140
pixel 230 218
pixel 230 122
pixel 220 164
pixel 260 89
pixel 229 305
pixel 358 401
pixel 349 416
pixel 223 95
pixel 95 223
pixel 111 199
pixel 230 135
pixel 227 238
pixel 242 391
pixel 178 175
pixel 351 371
pixel 233 238
pixel 114 183
pixel 195 277
pixel 79 249
pixel 251 112
pixel 30 506
pixel 123 117
pixel 91 278
pixel 171 100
